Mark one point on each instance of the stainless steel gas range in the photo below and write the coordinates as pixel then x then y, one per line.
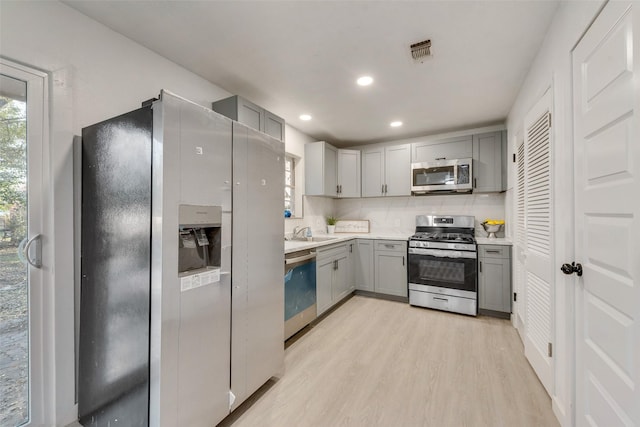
pixel 443 264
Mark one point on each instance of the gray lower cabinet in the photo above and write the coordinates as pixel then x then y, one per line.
pixel 332 275
pixel 490 162
pixel 363 265
pixel 324 280
pixel 377 266
pixel 494 280
pixel 391 267
pixel 352 250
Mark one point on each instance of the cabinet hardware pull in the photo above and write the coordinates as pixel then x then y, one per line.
pixel 351 248
pixel 441 158
pixel 403 261
pixel 385 189
pixel 480 266
pixel 492 251
pixel 382 189
pixel 440 299
pixel 475 182
pixel 389 246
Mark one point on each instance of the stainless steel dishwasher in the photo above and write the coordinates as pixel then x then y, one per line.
pixel 299 290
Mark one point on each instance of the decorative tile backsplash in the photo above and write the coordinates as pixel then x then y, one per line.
pixel 397 215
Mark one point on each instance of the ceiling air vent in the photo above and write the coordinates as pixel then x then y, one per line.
pixel 421 50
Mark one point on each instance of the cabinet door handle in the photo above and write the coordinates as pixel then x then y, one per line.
pixel 441 299
pixel 382 189
pixel 475 182
pixel 441 158
pixel 385 189
pixel 351 248
pixel 480 264
pixel 492 251
pixel 403 260
pixel 389 246
pixel 340 188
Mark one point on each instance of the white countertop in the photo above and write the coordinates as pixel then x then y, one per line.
pixel 298 245
pixel 494 241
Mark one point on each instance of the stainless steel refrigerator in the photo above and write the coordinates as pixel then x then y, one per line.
pixel 178 239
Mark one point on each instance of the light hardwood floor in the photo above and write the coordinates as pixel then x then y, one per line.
pixel 373 362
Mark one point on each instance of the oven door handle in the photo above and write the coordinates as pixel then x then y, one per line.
pixel 442 253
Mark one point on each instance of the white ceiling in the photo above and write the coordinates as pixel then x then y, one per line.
pixel 294 57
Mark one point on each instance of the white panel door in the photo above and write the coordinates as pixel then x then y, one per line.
pixel 538 217
pixel 606 90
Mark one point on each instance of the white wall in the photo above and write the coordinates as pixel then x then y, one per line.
pixel 552 68
pixel 95 74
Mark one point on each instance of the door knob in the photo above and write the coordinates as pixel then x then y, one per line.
pixel 572 268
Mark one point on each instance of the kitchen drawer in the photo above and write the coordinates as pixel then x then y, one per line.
pixel 494 251
pixel 332 251
pixel 391 245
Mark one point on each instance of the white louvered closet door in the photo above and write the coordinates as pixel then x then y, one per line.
pixel 538 229
pixel 520 245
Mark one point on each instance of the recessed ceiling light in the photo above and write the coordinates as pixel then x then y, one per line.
pixel 305 117
pixel 395 124
pixel 365 80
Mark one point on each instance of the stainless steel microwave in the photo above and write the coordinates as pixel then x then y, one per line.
pixel 442 176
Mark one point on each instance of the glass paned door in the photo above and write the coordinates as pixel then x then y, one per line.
pixel 21 133
pixel 14 291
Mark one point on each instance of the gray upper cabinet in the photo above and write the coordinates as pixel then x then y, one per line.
pixel 331 172
pixel 449 148
pixel 273 125
pixel 386 171
pixel 321 169
pixel 373 172
pixel 250 114
pixel 348 179
pixel 489 162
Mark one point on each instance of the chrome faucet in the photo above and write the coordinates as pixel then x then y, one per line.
pixel 297 231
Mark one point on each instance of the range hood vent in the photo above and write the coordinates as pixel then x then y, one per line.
pixel 421 50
